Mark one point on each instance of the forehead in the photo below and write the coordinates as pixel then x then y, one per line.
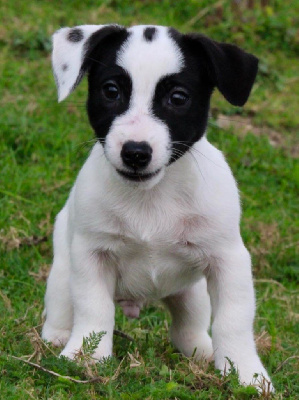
pixel 150 51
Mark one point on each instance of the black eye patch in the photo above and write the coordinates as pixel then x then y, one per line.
pixel 181 101
pixel 100 64
pixel 110 90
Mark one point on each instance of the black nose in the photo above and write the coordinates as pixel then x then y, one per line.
pixel 136 154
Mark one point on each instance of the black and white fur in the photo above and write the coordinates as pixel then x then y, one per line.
pixel 154 213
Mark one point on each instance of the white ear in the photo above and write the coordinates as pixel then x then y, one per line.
pixel 69 49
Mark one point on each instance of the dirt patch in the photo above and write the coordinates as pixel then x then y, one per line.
pixel 264 343
pixel 244 125
pixel 6 301
pixel 16 238
pixel 42 274
pixel 269 237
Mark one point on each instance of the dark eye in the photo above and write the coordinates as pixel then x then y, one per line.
pixel 178 98
pixel 111 91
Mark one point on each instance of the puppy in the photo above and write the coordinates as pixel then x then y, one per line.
pixel 154 213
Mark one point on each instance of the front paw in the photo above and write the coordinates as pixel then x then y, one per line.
pixel 192 343
pixel 58 337
pixel 77 353
pixel 75 349
pixel 255 375
pixel 251 372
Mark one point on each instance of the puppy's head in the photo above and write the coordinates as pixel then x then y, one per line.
pixel 149 89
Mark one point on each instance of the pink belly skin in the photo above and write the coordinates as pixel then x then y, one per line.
pixel 131 308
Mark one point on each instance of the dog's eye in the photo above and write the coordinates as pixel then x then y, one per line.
pixel 178 98
pixel 111 91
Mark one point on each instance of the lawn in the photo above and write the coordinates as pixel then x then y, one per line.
pixel 42 147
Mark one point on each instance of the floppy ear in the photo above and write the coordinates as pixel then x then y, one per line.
pixel 71 47
pixel 231 69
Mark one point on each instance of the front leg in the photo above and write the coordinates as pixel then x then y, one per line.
pixel 92 288
pixel 233 307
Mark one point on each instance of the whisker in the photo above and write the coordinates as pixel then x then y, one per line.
pixel 195 160
pixel 86 143
pixel 180 153
pixel 90 141
pixel 97 61
pixel 197 151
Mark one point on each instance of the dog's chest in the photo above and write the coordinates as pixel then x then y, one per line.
pixel 155 255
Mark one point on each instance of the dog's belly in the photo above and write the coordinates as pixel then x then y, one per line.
pixel 157 270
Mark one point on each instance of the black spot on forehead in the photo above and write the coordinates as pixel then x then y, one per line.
pixel 75 35
pixel 64 67
pixel 149 33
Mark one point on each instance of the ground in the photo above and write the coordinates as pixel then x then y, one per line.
pixel 42 146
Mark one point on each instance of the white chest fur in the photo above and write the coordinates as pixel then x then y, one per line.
pixel 153 266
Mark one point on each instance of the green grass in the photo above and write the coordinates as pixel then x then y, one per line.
pixel 43 146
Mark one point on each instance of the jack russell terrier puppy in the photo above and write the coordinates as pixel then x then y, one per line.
pixel 155 210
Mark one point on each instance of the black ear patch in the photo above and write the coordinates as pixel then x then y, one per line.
pixel 101 40
pixel 231 70
pixel 75 35
pixel 149 34
pixel 98 43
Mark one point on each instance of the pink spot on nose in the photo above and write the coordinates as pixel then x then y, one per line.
pixel 134 120
pixel 130 308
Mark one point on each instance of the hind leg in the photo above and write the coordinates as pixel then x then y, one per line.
pixel 59 309
pixel 191 313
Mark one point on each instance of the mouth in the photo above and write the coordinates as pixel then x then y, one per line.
pixel 137 177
